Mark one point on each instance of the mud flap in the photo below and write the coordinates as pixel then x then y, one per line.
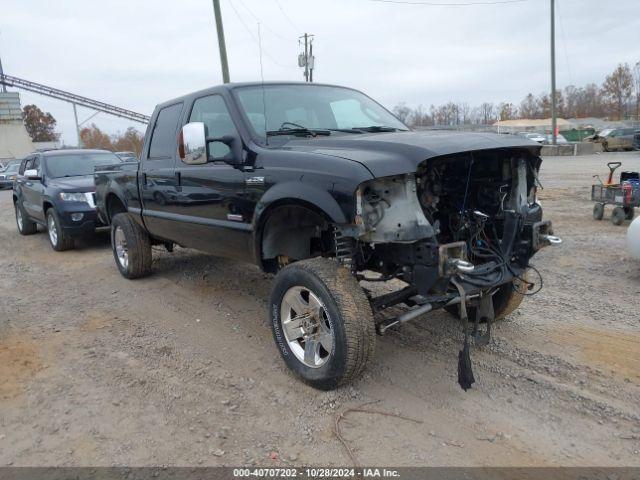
pixel 465 370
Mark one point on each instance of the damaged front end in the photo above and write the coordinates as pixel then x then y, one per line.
pixel 456 232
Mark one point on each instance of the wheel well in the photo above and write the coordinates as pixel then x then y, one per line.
pixel 293 232
pixel 114 206
pixel 46 206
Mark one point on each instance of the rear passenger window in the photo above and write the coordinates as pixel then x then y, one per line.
pixel 163 139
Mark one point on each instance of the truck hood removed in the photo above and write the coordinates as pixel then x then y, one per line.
pixel 395 153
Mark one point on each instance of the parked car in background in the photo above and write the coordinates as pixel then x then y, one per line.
pixel 536 137
pixel 615 139
pixel 548 139
pixel 127 156
pixel 8 175
pixel 636 140
pixel 55 189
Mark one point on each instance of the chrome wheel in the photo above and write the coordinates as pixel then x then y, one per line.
pixel 53 231
pixel 19 217
pixel 120 244
pixel 307 326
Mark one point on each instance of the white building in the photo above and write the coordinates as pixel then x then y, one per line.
pixel 14 139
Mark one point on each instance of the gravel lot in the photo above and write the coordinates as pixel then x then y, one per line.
pixel 180 368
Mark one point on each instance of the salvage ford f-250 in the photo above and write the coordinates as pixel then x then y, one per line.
pixel 325 188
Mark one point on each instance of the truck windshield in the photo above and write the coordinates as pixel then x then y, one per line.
pixel 78 164
pixel 274 108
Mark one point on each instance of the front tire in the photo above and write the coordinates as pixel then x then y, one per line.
pixel 131 247
pixel 322 322
pixel 25 226
pixel 58 238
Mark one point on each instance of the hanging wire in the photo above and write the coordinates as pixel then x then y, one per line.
pixel 256 41
pixel 284 13
pixel 264 25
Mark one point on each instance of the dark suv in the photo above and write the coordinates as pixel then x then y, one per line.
pixel 55 189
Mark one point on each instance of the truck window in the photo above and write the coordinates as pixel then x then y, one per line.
pixel 163 138
pixel 213 112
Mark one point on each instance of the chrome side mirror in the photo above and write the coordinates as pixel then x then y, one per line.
pixel 192 144
pixel 32 174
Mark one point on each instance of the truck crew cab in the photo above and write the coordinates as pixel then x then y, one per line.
pixel 323 187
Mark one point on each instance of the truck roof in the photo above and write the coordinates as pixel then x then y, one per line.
pixel 225 87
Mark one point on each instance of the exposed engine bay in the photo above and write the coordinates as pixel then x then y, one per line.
pixel 471 216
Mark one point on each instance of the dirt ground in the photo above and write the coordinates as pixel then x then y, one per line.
pixel 180 368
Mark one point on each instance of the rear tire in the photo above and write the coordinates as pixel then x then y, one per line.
pixel 505 301
pixel 605 147
pixel 618 216
pixel 131 247
pixel 322 322
pixel 58 238
pixel 598 211
pixel 25 226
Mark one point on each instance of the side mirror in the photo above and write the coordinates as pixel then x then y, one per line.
pixel 192 144
pixel 32 175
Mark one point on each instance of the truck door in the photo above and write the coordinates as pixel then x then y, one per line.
pixel 210 203
pixel 158 181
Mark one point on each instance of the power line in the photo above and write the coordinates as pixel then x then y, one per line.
pixel 284 13
pixel 442 4
pixel 273 32
pixel 256 40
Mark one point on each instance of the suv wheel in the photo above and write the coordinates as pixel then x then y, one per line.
pixel 321 322
pixel 25 226
pixel 59 240
pixel 131 247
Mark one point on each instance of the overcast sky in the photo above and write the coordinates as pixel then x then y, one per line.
pixel 135 54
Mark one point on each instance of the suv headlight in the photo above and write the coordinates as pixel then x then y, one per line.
pixel 73 197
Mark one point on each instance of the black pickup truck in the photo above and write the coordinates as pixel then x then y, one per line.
pixel 323 186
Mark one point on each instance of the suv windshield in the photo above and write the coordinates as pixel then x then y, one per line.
pixel 314 107
pixel 77 164
pixel 13 168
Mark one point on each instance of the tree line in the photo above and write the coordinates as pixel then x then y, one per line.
pixel 617 98
pixel 41 127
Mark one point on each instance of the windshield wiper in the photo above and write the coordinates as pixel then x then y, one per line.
pixel 377 128
pixel 298 130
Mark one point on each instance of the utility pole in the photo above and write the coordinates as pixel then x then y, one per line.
pixel 306 59
pixel 554 120
pixel 75 115
pixel 221 43
pixel 4 87
pixel 312 62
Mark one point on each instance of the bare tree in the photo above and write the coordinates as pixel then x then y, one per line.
pixel 617 89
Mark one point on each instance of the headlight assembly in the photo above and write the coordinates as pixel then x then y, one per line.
pixel 73 197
